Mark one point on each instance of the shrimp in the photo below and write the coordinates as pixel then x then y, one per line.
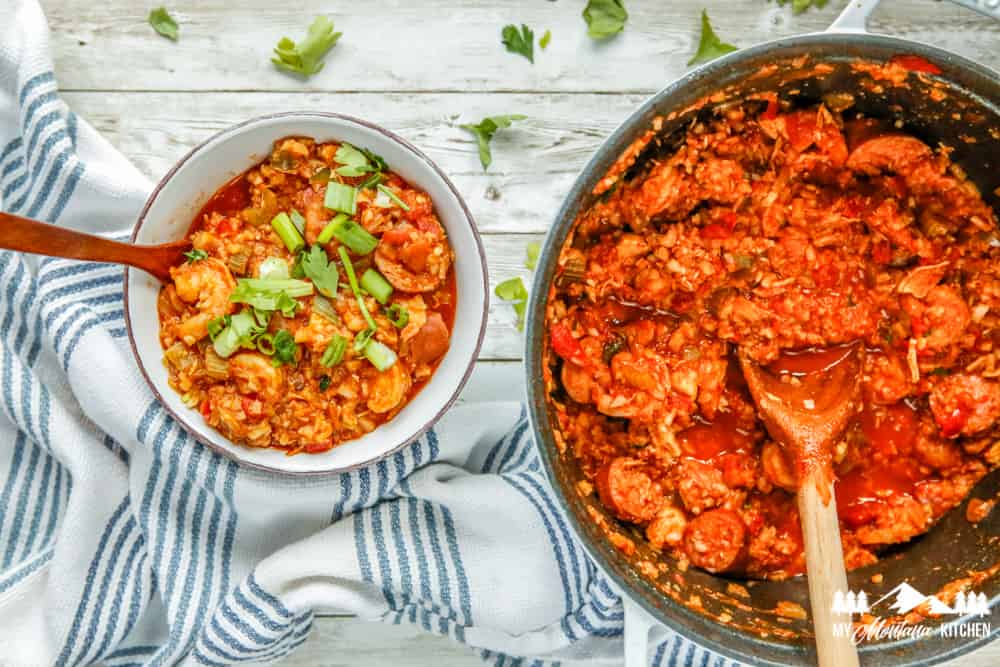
pixel 207 284
pixel 939 319
pixel 414 259
pixel 388 389
pixel 316 215
pixel 318 332
pixel 416 311
pixel 254 374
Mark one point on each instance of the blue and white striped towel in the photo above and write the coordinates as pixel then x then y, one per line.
pixel 123 541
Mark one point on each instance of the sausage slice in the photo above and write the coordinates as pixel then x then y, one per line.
pixel 716 541
pixel 628 491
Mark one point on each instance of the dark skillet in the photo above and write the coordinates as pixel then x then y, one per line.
pixel 967 119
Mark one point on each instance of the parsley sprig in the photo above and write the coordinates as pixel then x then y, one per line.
pixel 163 23
pixel 522 42
pixel 605 18
pixel 484 131
pixel 306 56
pixel 710 47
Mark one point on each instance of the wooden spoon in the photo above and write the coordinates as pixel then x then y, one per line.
pixel 26 235
pixel 806 412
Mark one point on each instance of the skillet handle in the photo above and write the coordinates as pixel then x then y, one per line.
pixel 637 626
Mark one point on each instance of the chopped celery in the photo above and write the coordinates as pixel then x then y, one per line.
pixel 323 307
pixel 298 221
pixel 381 356
pixel 351 234
pixel 361 339
pixel 273 268
pixel 237 333
pixel 334 352
pixel 286 231
pixel 326 235
pixel 340 197
pixel 373 283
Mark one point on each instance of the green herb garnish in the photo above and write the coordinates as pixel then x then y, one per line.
pixel 361 339
pixel 532 250
pixel 398 315
pixel 710 47
pixel 350 233
pixel 195 255
pixel 306 57
pixel 799 6
pixel 319 269
pixel 285 348
pixel 605 18
pixel 271 295
pixel 546 38
pixel 484 132
pixel 381 356
pixel 163 23
pixel 352 279
pixel 340 197
pixel 394 197
pixel 324 383
pixel 334 352
pixel 288 232
pixel 522 42
pixel 513 291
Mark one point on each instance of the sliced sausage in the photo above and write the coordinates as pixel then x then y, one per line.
pixel 700 485
pixel 965 404
pixel 716 541
pixel 431 341
pixel 628 491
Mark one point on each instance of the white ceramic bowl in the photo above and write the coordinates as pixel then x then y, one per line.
pixel 175 202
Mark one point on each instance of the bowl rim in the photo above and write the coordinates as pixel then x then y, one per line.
pixel 235 455
pixel 671 612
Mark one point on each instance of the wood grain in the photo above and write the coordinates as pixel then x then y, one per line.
pixel 436 45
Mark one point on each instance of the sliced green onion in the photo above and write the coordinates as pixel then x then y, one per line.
pixel 263 317
pixel 373 180
pixel 353 280
pixel 241 326
pixel 265 344
pixel 216 326
pixel 285 348
pixel 393 196
pixel 381 356
pixel 324 383
pixel 323 307
pixel 326 235
pixel 287 232
pixel 361 339
pixel 373 283
pixel 398 315
pixel 334 352
pixel 340 197
pixel 351 234
pixel 273 268
pixel 298 221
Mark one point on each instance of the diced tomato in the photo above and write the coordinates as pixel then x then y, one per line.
pixel 566 346
pixel 397 236
pixel 720 230
pixel 316 447
pixel 227 226
pixel 772 109
pixel 206 408
pixel 915 64
pixel 252 406
pixel 952 423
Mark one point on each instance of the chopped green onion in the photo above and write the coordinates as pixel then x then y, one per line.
pixel 373 283
pixel 298 221
pixel 273 268
pixel 382 200
pixel 394 197
pixel 324 383
pixel 195 255
pixel 334 352
pixel 340 197
pixel 398 315
pixel 373 180
pixel 323 307
pixel 263 317
pixel 287 232
pixel 291 286
pixel 216 326
pixel 285 348
pixel 353 280
pixel 236 334
pixel 381 356
pixel 361 339
pixel 326 235
pixel 351 234
pixel 265 344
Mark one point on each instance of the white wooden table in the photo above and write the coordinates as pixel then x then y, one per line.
pixel 420 67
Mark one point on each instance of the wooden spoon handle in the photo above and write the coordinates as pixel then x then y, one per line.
pixel 826 573
pixel 26 235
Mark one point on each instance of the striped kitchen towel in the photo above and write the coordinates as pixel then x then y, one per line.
pixel 125 542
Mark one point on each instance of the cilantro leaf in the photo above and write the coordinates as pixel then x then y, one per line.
pixel 195 255
pixel 532 250
pixel 710 47
pixel 799 6
pixel 519 42
pixel 306 57
pixel 546 38
pixel 484 132
pixel 163 23
pixel 605 18
pixel 319 269
pixel 513 290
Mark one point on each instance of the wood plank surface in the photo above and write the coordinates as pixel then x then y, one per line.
pixel 437 45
